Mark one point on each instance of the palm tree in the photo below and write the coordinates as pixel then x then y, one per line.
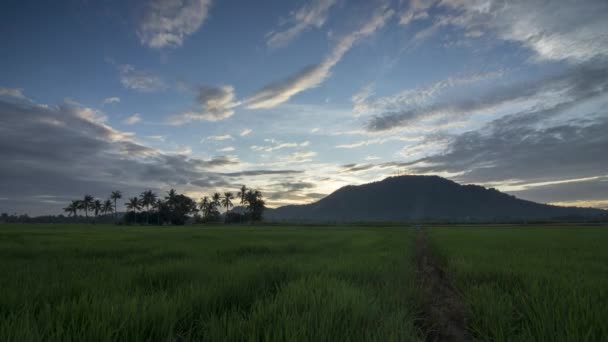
pixel 204 206
pixel 242 194
pixel 96 206
pixel 116 195
pixel 226 201
pixel 72 208
pixel 216 198
pixel 133 205
pixel 107 206
pixel 171 196
pixel 86 203
pixel 158 205
pixel 147 199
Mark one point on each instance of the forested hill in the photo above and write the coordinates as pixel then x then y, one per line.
pixel 424 198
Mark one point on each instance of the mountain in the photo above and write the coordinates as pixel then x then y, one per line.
pixel 430 198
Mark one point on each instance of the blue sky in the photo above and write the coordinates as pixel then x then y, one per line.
pixel 299 98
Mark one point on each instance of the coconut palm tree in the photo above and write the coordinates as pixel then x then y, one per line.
pixel 85 204
pixel 216 198
pixel 158 205
pixel 204 206
pixel 147 198
pixel 96 207
pixel 171 196
pixel 72 208
pixel 227 200
pixel 133 205
pixel 116 195
pixel 242 194
pixel 107 206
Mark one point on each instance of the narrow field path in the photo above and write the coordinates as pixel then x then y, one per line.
pixel 444 312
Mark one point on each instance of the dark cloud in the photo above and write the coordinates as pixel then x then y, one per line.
pixel 68 150
pixel 573 149
pixel 585 190
pixel 260 173
pixel 574 85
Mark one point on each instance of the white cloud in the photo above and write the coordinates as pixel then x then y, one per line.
pixel 220 137
pixel 12 92
pixel 138 80
pixel 226 149
pixel 554 30
pixel 217 104
pixel 246 131
pixel 276 145
pixel 365 103
pixel 133 119
pixel 312 76
pixel 313 14
pixel 166 23
pixel 110 100
pixel 417 9
pixel 314 130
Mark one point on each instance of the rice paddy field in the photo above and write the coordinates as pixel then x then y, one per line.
pixel 306 283
pixel 102 283
pixel 529 284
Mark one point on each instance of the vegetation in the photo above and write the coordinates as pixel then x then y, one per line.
pixel 530 284
pixel 92 283
pixel 174 209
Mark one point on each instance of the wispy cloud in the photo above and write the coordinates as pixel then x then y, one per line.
pixel 245 132
pixel 110 100
pixel 12 92
pixel 312 76
pixel 365 103
pixel 226 149
pixel 138 80
pixel 217 104
pixel 313 14
pixel 133 119
pixel 276 145
pixel 553 30
pixel 219 137
pixel 166 23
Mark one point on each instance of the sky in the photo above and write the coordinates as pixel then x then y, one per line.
pixel 299 98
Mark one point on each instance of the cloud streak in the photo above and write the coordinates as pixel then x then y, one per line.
pixel 313 14
pixel 312 76
pixel 217 104
pixel 138 80
pixel 167 23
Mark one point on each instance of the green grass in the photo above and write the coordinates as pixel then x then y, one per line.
pixel 93 283
pixel 530 284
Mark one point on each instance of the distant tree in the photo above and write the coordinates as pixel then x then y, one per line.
pixel 107 206
pixel 216 199
pixel 96 206
pixel 242 194
pixel 147 199
pixel 116 195
pixel 159 205
pixel 86 203
pixel 133 205
pixel 255 205
pixel 181 208
pixel 204 206
pixel 72 208
pixel 171 196
pixel 227 201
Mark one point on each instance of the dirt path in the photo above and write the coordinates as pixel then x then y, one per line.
pixel 444 312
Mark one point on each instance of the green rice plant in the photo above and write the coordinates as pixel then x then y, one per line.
pixel 107 283
pixel 529 283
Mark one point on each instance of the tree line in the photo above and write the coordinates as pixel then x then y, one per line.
pixel 174 208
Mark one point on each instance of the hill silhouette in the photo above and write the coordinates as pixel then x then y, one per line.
pixel 429 198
